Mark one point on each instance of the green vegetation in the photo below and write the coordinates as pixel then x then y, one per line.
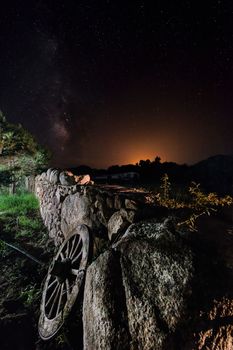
pixel 21 225
pixel 20 155
pixel 29 294
pixel 19 204
pixel 194 201
pixel 19 214
pixel 14 139
pixel 20 279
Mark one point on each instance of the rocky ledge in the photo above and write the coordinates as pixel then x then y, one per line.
pixel 66 201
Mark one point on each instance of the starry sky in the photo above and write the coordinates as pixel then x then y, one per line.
pixel 112 82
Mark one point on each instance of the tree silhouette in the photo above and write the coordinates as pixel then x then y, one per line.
pixel 22 154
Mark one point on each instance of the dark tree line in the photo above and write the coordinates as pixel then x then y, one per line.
pixel 215 173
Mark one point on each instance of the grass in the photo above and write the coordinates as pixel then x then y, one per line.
pixel 19 215
pixel 20 279
pixel 21 224
pixel 18 204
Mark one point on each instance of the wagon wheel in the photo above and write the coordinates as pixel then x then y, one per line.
pixel 63 282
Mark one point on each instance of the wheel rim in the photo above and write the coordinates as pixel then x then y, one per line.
pixel 63 282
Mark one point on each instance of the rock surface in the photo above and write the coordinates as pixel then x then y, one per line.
pixel 136 295
pixel 75 210
pixel 117 224
pixel 104 310
pixel 171 291
pixel 67 200
pixel 66 180
pixel 153 289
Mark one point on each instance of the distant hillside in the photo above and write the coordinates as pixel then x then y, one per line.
pixel 215 173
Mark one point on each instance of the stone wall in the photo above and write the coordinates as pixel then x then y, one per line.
pixel 106 210
pixel 153 288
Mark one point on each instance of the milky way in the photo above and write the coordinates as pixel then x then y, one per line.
pixel 110 82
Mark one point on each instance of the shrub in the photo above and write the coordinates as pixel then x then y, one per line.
pixel 198 202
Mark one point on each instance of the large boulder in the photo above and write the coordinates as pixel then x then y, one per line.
pixel 104 309
pixel 75 210
pixel 136 295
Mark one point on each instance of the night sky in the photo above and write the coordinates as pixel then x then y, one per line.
pixel 113 82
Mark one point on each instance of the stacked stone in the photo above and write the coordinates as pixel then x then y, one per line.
pixel 148 291
pixel 106 210
pixel 52 187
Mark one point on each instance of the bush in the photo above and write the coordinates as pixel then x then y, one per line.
pixel 197 202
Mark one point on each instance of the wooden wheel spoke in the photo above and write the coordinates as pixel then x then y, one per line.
pixel 51 284
pixel 76 248
pixel 52 295
pixel 72 246
pixel 77 257
pixel 63 282
pixel 60 299
pixel 54 301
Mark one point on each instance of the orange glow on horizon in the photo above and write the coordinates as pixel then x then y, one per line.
pixel 134 156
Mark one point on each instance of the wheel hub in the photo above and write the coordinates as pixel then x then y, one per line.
pixel 64 281
pixel 61 269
